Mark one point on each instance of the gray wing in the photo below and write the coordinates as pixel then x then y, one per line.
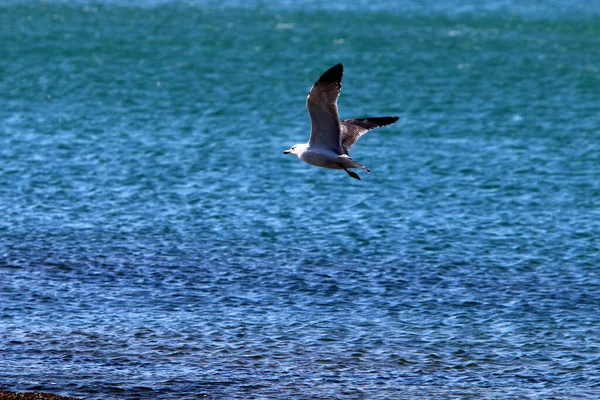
pixel 322 108
pixel 353 129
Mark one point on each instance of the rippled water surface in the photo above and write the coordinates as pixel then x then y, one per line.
pixel 156 243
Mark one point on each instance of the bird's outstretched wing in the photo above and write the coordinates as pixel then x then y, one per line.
pixel 353 129
pixel 322 108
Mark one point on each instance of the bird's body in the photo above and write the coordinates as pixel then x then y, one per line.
pixel 326 158
pixel 331 139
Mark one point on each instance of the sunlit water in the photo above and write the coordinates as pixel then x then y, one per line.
pixel 156 243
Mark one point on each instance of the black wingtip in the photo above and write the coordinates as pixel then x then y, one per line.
pixel 373 122
pixel 333 74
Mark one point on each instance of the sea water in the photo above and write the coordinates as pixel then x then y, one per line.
pixel 156 243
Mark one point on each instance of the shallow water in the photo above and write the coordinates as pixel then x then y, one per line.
pixel 156 243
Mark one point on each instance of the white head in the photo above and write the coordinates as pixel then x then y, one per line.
pixel 296 149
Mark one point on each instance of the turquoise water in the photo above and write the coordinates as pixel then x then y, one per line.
pixel 156 243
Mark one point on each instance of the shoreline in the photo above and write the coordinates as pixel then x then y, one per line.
pixel 8 395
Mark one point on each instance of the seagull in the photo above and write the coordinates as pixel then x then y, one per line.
pixel 331 139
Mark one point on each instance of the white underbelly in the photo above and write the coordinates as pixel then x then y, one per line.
pixel 325 159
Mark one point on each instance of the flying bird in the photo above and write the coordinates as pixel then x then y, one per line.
pixel 331 139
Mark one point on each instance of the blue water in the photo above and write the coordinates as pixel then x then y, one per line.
pixel 156 243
